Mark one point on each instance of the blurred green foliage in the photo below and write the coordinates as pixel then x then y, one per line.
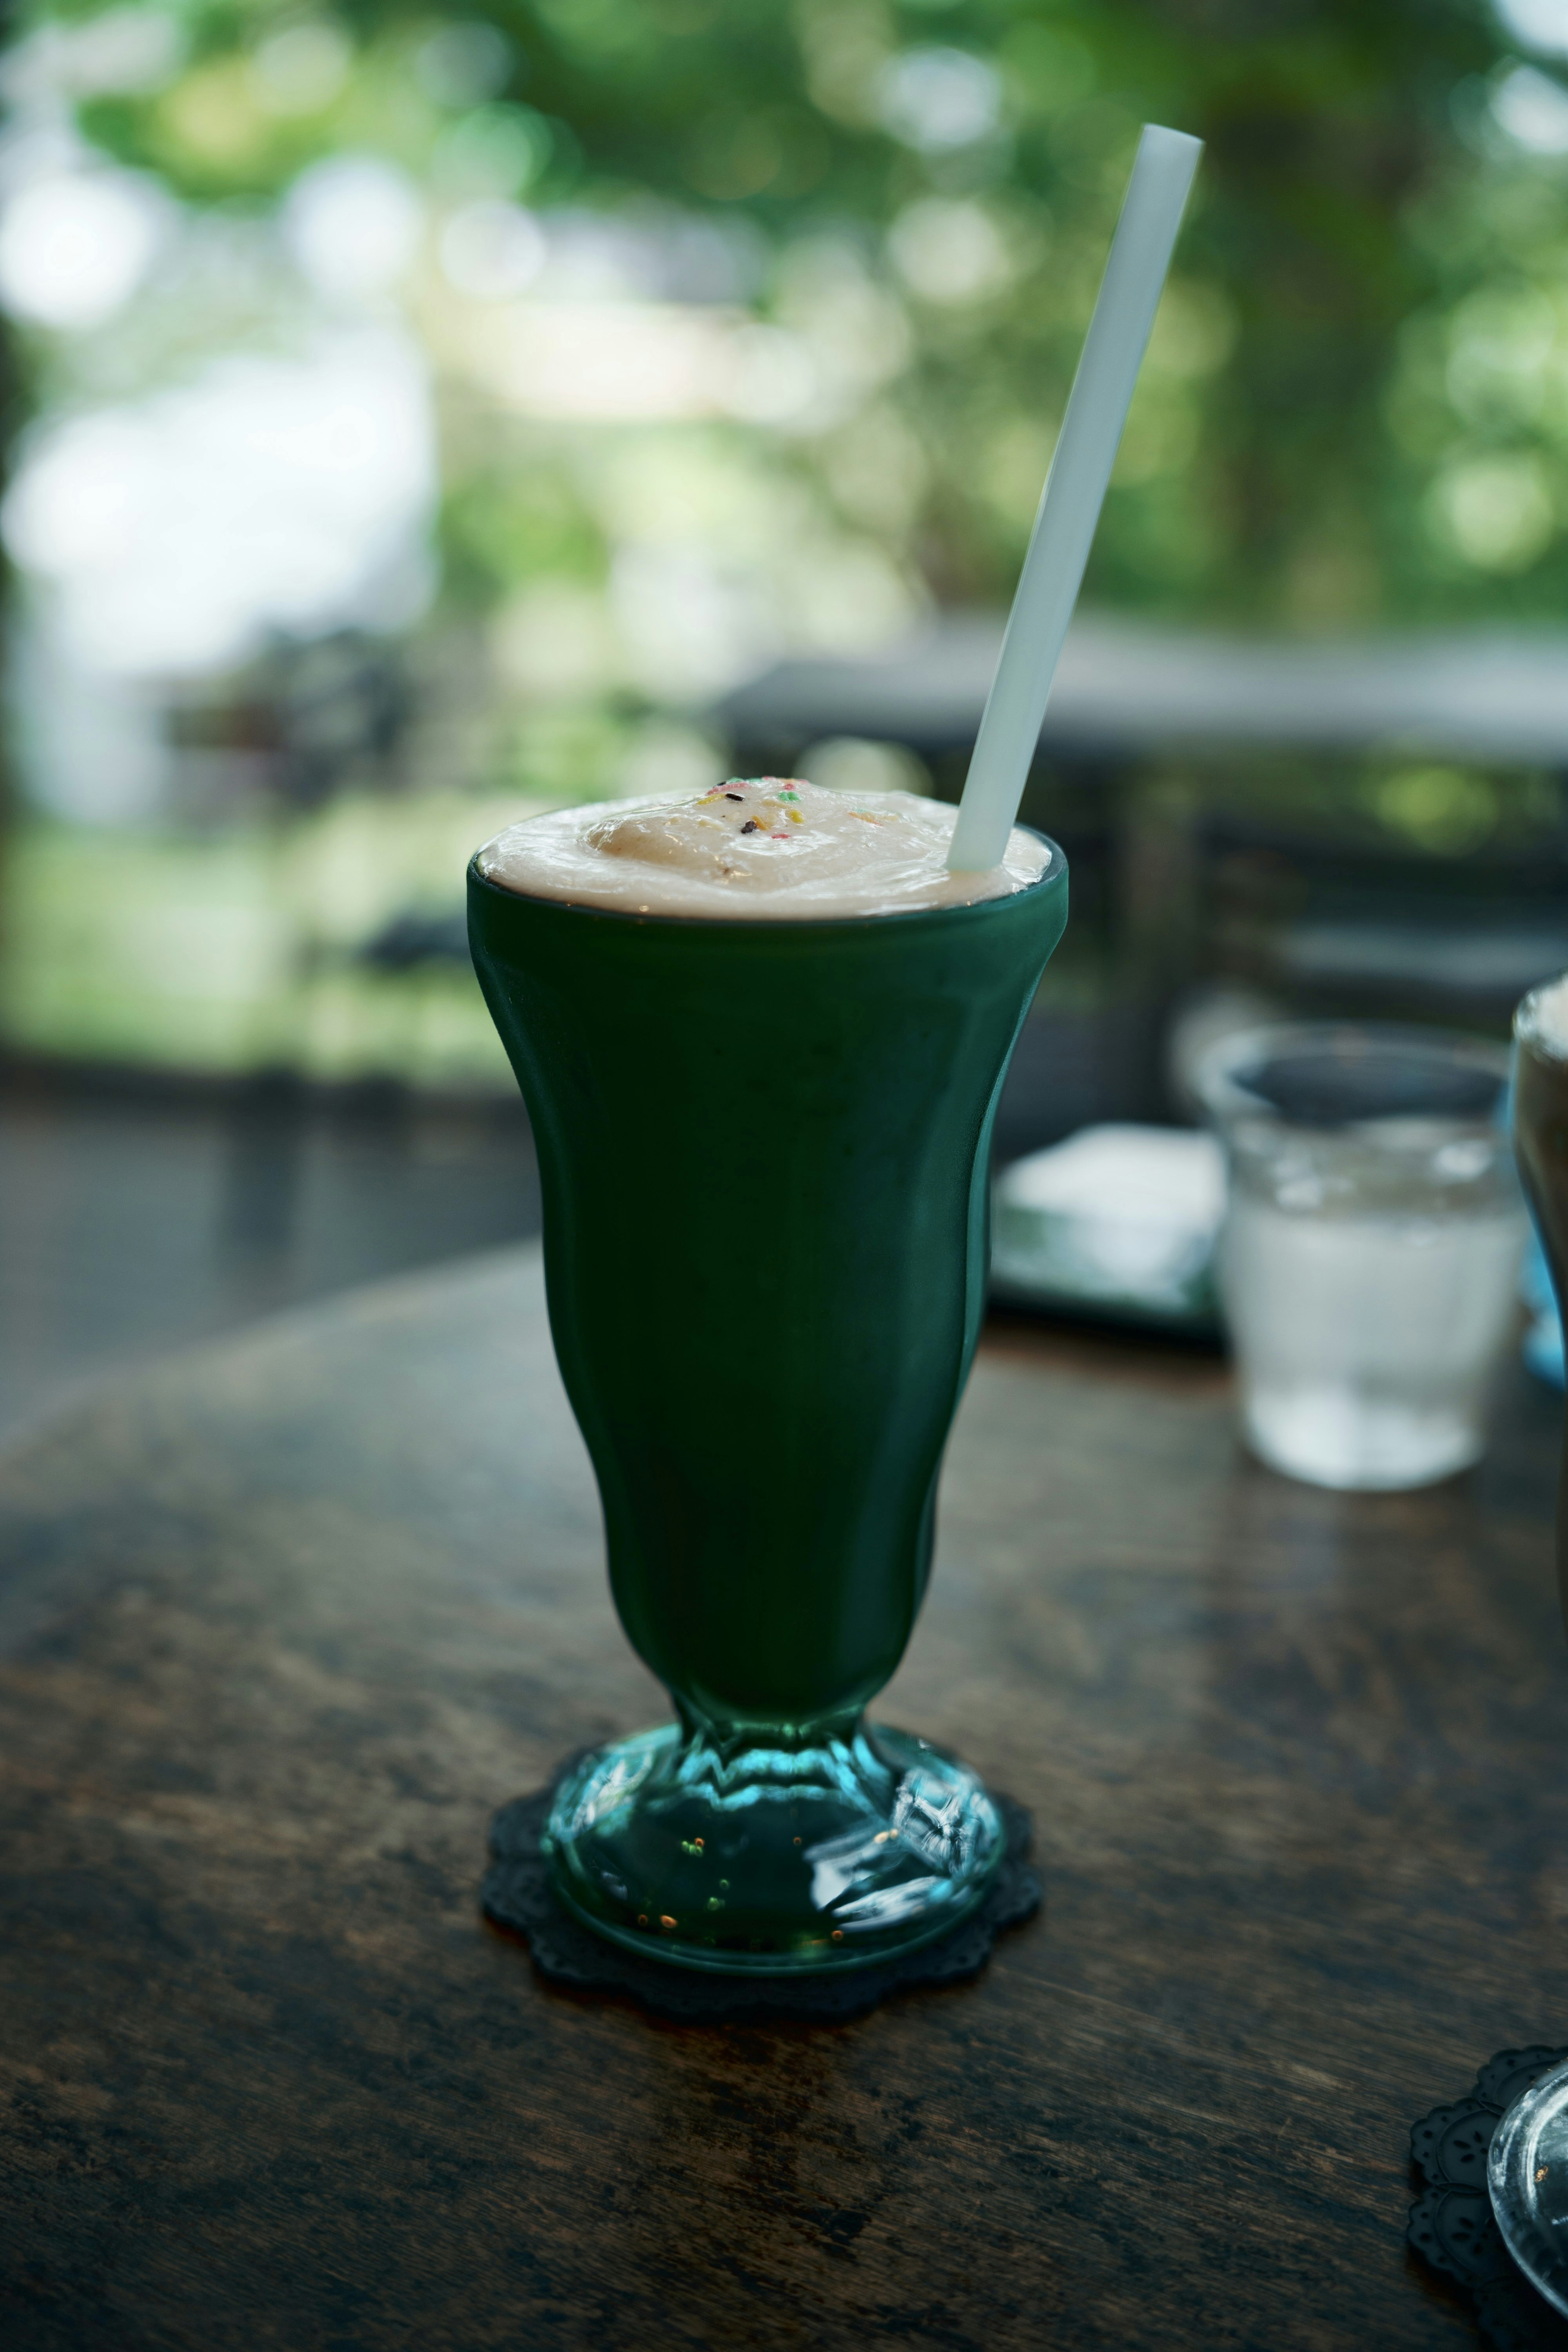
pixel 1357 400
pixel 882 224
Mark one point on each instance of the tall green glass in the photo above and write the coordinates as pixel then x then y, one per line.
pixel 764 1148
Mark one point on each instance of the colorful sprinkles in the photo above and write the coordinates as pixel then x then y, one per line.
pixel 780 801
pixel 769 808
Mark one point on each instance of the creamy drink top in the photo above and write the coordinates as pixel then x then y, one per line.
pixel 761 848
pixel 1544 1019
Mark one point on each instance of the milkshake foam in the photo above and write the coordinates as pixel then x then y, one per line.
pixel 1544 1018
pixel 756 848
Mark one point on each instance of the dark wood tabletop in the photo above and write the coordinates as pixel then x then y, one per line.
pixel 280 1624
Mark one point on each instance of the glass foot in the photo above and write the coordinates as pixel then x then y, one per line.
pixel 772 1855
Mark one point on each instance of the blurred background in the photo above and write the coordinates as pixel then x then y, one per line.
pixel 415 419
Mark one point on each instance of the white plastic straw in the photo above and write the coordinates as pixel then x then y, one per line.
pixel 1070 502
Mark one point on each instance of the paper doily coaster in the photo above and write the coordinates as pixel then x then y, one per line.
pixel 1451 2225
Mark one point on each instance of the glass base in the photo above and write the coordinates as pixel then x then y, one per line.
pixel 1340 1436
pixel 770 1854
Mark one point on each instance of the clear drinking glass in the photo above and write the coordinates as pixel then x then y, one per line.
pixel 1369 1258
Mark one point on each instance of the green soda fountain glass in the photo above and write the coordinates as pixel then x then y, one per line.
pixel 765 1153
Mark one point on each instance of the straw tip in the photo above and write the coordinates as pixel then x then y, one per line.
pixel 1174 142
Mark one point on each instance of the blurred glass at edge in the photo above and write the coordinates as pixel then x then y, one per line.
pixel 422 418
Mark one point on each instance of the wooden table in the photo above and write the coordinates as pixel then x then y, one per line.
pixel 279 1625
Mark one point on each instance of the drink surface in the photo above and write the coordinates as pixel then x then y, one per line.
pixel 755 849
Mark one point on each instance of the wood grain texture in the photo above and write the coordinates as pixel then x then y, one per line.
pixel 282 1623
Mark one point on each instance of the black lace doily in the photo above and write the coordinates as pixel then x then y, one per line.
pixel 517 1894
pixel 1451 2224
